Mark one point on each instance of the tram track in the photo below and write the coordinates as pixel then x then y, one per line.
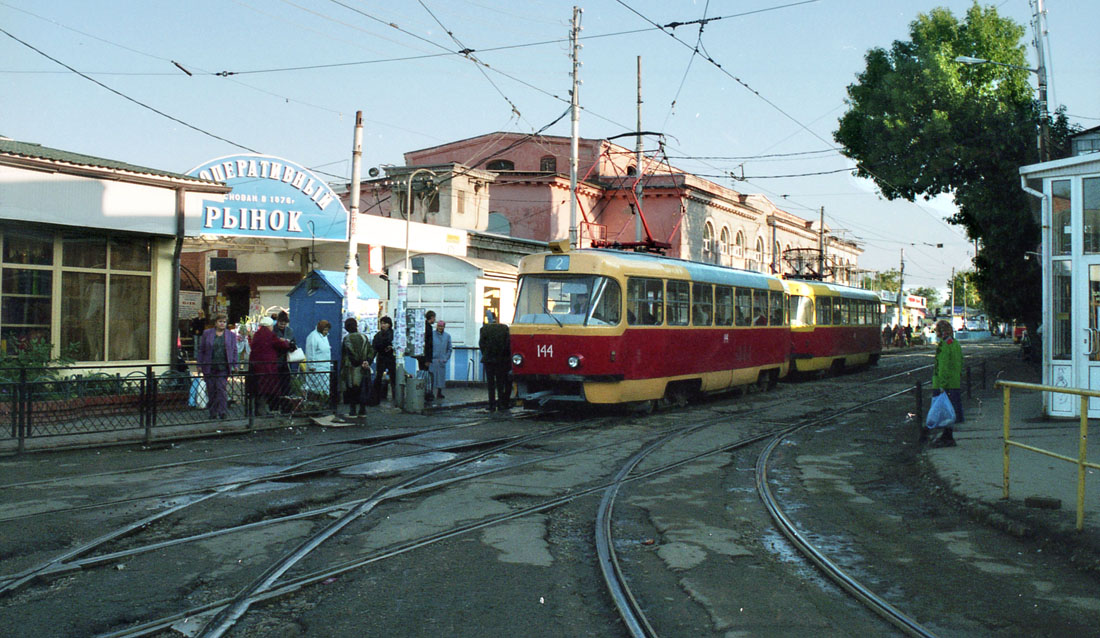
pixel 631 611
pixel 285 583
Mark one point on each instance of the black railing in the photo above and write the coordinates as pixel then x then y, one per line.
pixel 45 402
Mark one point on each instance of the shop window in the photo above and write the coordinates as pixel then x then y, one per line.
pixel 84 252
pixel 1062 302
pixel 1061 205
pixel 83 309
pixel 1090 205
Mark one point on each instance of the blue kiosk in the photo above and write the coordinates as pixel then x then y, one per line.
pixel 321 296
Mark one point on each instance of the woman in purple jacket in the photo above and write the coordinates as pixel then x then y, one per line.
pixel 217 356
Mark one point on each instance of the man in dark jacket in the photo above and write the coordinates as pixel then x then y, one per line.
pixel 385 360
pixel 496 355
pixel 425 361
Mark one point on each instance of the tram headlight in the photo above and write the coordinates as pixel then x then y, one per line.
pixel 574 361
pixel 517 359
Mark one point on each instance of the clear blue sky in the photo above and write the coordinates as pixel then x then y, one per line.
pixel 780 90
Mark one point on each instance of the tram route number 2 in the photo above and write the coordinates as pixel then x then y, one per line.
pixel 545 351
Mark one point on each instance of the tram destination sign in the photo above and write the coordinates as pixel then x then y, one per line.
pixel 272 197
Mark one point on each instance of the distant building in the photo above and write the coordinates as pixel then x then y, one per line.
pixel 514 185
pixel 1085 142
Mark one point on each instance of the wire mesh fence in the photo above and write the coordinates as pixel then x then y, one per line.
pixel 44 402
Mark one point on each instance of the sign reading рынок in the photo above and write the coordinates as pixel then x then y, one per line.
pixel 271 197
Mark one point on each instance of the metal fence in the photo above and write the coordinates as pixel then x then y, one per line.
pixel 1081 460
pixel 45 402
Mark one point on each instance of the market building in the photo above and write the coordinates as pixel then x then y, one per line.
pixel 1069 193
pixel 89 253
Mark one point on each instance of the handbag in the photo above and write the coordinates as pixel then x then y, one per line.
pixel 296 356
pixel 941 413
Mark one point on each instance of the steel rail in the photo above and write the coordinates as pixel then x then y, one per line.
pixel 361 442
pixel 100 559
pixel 13 582
pixel 837 574
pixel 229 615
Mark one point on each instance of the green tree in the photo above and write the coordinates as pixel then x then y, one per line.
pixel 887 280
pixel 921 124
pixel 964 283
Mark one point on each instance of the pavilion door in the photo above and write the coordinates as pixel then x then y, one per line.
pixel 1090 337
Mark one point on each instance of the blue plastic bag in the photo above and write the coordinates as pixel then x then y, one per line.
pixel 941 413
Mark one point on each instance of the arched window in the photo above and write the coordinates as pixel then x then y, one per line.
pixel 785 265
pixel 758 257
pixel 739 245
pixel 500 165
pixel 548 164
pixel 499 224
pixel 631 170
pixel 724 241
pixel 708 238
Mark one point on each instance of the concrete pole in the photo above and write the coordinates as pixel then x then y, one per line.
pixel 821 245
pixel 638 161
pixel 1041 71
pixel 574 144
pixel 351 266
pixel 901 288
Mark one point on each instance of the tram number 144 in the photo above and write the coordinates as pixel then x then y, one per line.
pixel 545 351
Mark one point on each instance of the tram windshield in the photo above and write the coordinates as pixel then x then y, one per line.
pixel 569 300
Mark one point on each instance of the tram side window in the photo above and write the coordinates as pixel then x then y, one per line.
pixel 760 307
pixel 744 306
pixel 702 305
pixel 775 308
pixel 723 305
pixel 824 311
pixel 644 301
pixel 679 300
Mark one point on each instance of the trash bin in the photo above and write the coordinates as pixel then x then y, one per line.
pixel 413 399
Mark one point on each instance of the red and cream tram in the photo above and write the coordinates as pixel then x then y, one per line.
pixel 607 327
pixel 833 326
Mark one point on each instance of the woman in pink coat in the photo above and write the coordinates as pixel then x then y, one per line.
pixel 264 365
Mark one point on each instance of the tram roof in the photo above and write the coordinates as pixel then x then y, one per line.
pixel 823 287
pixel 709 273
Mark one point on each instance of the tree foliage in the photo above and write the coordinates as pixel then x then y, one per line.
pixel 966 291
pixel 920 124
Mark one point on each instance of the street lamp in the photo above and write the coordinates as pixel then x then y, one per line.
pixel 1041 73
pixel 403 277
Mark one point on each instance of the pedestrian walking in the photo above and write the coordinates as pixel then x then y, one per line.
pixel 385 360
pixel 886 332
pixel 319 359
pixel 264 366
pixel 356 357
pixel 217 357
pixel 441 354
pixel 947 377
pixel 496 355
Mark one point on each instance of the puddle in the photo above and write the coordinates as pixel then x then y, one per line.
pixel 389 467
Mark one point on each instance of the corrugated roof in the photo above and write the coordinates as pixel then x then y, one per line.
pixel 37 151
